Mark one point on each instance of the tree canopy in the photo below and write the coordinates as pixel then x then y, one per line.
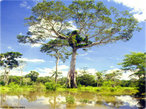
pixel 135 62
pixel 9 59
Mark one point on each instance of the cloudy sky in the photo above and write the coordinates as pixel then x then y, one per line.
pixel 100 58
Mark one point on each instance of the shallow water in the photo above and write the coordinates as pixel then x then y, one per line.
pixel 57 100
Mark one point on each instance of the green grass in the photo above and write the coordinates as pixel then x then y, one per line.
pixel 97 90
pixel 103 90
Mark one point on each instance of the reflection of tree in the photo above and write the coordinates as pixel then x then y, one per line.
pixel 31 96
pixel 142 103
pixel 3 99
pixel 71 106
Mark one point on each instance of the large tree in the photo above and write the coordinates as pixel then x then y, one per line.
pixel 81 25
pixel 8 61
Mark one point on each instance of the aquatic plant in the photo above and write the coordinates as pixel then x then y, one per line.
pixel 70 100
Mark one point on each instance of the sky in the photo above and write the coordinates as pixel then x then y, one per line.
pixel 105 57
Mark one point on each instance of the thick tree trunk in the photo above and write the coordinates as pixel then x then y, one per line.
pixel 72 74
pixel 56 73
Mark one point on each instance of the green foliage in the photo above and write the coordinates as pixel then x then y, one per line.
pixel 39 86
pixel 99 76
pixel 2 83
pixel 135 61
pixel 13 86
pixel 84 101
pixel 62 81
pixel 87 80
pixel 70 99
pixel 33 75
pixel 15 79
pixel 27 81
pixel 43 79
pixel 51 86
pixel 9 59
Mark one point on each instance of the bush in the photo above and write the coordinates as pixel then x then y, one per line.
pixel 84 101
pixel 87 80
pixel 14 86
pixel 2 83
pixel 39 86
pixel 50 86
pixel 70 100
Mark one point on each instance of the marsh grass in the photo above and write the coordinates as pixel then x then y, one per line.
pixel 98 90
pixel 70 99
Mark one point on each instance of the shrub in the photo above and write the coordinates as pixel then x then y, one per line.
pixel 39 86
pixel 50 86
pixel 84 101
pixel 14 86
pixel 70 100
pixel 2 83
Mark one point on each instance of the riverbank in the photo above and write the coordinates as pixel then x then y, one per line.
pixel 97 90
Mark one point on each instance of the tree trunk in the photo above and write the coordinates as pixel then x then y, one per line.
pixel 71 79
pixel 56 73
pixel 21 79
pixel 6 77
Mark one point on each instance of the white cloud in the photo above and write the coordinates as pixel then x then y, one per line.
pixel 44 71
pixel 35 45
pixel 31 45
pixel 15 71
pixel 49 71
pixel 20 33
pixel 72 26
pixel 25 5
pixel 62 67
pixel 111 66
pixel 84 54
pixel 10 48
pixel 90 70
pixel 138 7
pixel 89 59
pixel 31 60
pixel 125 74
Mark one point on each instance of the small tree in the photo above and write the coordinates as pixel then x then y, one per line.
pixel 113 77
pixel 21 67
pixel 82 24
pixel 9 61
pixel 136 62
pixel 57 51
pixel 99 76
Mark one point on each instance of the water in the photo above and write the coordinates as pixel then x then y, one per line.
pixel 57 100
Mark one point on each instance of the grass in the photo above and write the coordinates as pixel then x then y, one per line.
pixel 103 90
pixel 97 90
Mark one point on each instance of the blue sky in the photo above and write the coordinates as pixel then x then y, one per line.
pixel 99 58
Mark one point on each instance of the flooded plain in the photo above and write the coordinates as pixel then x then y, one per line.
pixel 68 100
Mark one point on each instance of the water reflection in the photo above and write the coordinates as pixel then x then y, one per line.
pixel 57 100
